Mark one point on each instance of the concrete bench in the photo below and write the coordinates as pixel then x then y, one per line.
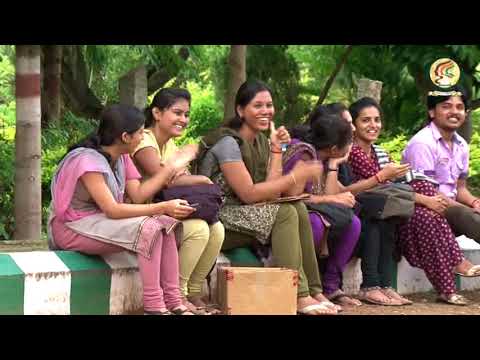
pixel 66 282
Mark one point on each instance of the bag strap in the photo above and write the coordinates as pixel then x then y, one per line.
pixel 384 159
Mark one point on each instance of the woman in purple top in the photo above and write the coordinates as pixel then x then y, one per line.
pixel 329 140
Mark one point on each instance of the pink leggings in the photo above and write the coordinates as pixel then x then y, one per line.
pixel 159 274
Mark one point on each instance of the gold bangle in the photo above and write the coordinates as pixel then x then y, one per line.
pixel 293 177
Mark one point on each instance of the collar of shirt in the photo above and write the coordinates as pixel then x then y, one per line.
pixel 437 136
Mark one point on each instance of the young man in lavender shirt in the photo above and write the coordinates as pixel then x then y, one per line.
pixel 441 153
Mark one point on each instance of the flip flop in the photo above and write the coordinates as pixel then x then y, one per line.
pixel 474 271
pixel 454 299
pixel 391 293
pixel 307 310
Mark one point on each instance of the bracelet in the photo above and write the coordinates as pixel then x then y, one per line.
pixel 293 177
pixel 474 202
pixel 276 152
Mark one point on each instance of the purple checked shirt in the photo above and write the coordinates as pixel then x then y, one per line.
pixel 428 153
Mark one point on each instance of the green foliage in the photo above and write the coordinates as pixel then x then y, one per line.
pixel 316 63
pixel 55 141
pixel 106 64
pixel 475 155
pixel 205 114
pixel 274 65
pixel 395 146
pixel 404 71
pixel 7 134
pixel 7 96
pixel 296 73
pixel 7 178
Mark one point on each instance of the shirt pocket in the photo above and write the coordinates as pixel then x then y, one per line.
pixel 442 171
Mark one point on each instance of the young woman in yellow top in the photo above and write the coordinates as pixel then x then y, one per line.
pixel 166 118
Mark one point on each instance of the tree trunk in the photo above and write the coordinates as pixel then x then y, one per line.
pixel 331 79
pixel 28 203
pixel 78 96
pixel 52 78
pixel 475 104
pixel 133 88
pixel 237 75
pixel 466 129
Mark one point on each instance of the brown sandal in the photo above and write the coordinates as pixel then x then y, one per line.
pixel 364 295
pixel 339 297
pixel 391 293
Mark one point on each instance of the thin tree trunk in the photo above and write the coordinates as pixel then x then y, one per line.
pixel 28 203
pixel 78 96
pixel 51 96
pixel 475 104
pixel 331 79
pixel 466 129
pixel 236 77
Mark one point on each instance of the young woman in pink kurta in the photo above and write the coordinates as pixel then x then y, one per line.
pixel 89 213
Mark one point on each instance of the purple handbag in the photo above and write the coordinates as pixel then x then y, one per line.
pixel 207 197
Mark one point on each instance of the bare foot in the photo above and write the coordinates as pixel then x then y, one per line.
pixel 193 307
pixel 463 267
pixel 181 310
pixel 197 301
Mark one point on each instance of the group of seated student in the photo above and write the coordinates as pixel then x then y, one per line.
pixel 103 198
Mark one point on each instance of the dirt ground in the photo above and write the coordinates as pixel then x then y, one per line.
pixel 424 304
